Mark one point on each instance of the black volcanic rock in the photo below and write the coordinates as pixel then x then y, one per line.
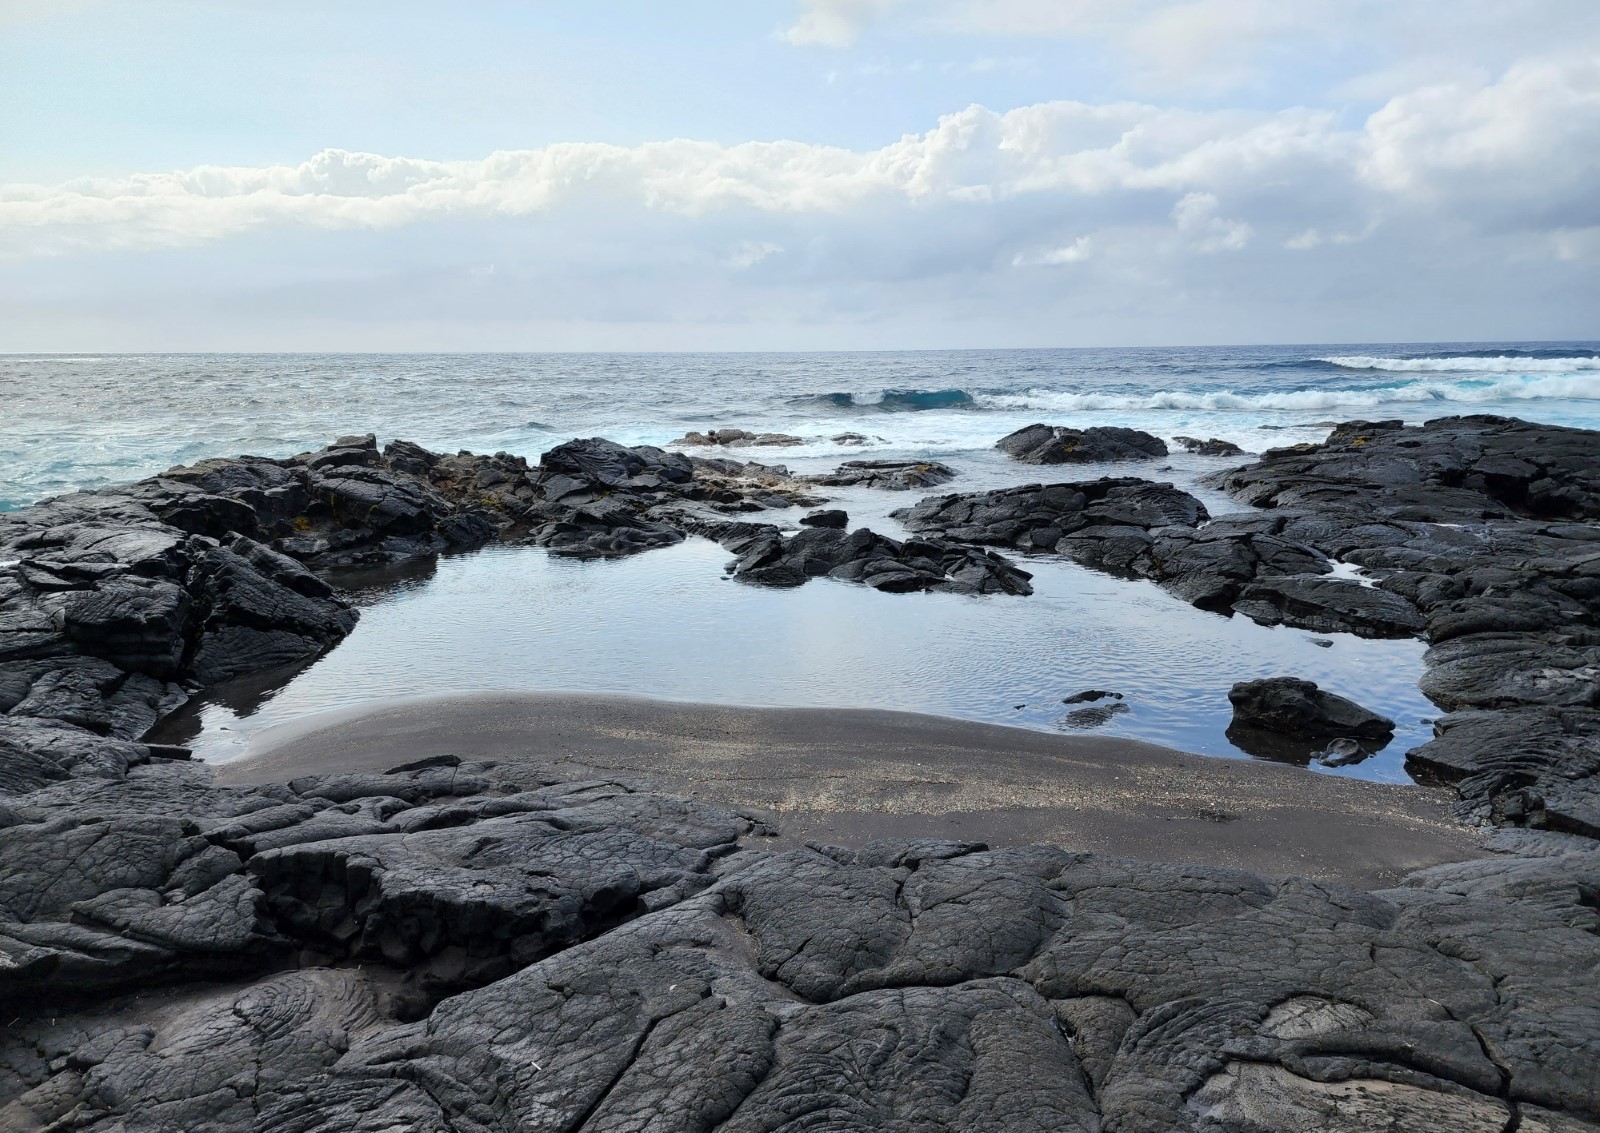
pixel 1212 447
pixel 770 558
pixel 1299 708
pixel 1448 470
pixel 832 517
pixel 444 946
pixel 1035 517
pixel 892 475
pixel 658 976
pixel 737 437
pixel 1057 444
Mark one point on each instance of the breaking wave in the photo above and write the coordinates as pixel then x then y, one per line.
pixel 894 400
pixel 1506 363
pixel 1584 387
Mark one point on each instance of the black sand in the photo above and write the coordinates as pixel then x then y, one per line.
pixel 845 776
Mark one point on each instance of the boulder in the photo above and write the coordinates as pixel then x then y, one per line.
pixel 1298 708
pixel 891 475
pixel 769 558
pixel 831 518
pixel 1058 444
pixel 1212 447
pixel 737 438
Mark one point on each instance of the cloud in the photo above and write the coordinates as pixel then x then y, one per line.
pixel 1073 253
pixel 835 23
pixel 1449 197
pixel 1378 47
pixel 1206 232
pixel 1521 152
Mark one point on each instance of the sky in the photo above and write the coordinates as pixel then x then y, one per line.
pixel 795 174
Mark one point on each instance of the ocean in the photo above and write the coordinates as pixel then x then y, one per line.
pixel 667 624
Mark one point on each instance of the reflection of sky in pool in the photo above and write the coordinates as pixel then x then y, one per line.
pixel 667 624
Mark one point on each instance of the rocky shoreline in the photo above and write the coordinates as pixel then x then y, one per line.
pixel 453 945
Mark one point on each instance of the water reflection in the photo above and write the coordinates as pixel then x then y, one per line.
pixel 668 624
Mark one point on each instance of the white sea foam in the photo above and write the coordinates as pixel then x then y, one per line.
pixel 1575 387
pixel 1473 364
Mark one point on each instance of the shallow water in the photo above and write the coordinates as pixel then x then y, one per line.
pixel 667 624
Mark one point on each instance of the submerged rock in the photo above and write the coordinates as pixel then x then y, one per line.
pixel 1095 716
pixel 1057 444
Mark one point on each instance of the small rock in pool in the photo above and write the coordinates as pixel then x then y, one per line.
pixel 1322 643
pixel 1342 752
pixel 1294 707
pixel 1089 694
pixel 832 517
pixel 1094 717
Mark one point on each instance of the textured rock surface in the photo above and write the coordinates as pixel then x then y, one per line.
pixel 1289 719
pixel 1212 447
pixel 893 475
pixel 441 948
pixel 769 558
pixel 456 946
pixel 1057 444
pixel 736 437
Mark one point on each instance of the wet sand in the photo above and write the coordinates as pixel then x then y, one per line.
pixel 846 776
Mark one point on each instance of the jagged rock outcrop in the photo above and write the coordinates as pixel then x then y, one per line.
pixel 597 498
pixel 890 475
pixel 767 557
pixel 1058 444
pixel 109 615
pixel 1485 526
pixel 727 438
pixel 831 517
pixel 1211 447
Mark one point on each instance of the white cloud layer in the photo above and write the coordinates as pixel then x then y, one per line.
pixel 1519 152
pixel 1458 195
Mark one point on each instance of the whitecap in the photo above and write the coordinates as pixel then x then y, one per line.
pixel 1468 363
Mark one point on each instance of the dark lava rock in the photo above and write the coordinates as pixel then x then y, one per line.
pixel 619 962
pixel 1035 517
pixel 769 558
pixel 737 438
pixel 1444 471
pixel 893 475
pixel 1212 447
pixel 109 615
pixel 1299 708
pixel 441 947
pixel 1328 605
pixel 831 518
pixel 1057 444
pixel 595 498
pixel 1089 695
